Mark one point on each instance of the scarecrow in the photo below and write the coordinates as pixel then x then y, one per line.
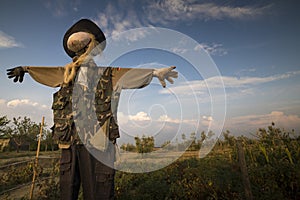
pixel 87 90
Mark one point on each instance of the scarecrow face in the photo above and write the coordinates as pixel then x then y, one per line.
pixel 77 42
pixel 79 32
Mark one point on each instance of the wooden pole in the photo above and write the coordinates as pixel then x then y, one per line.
pixel 244 171
pixel 36 160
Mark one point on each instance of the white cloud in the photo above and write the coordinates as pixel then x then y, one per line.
pixel 179 50
pixel 114 21
pixel 140 116
pixel 250 123
pixel 241 72
pixel 60 8
pixel 122 15
pixel 2 101
pixel 187 88
pixel 166 118
pixel 122 118
pixel 26 107
pixel 23 102
pixel 184 122
pixel 165 127
pixel 212 49
pixel 144 117
pixel 173 10
pixel 243 83
pixel 56 7
pixel 207 118
pixel 7 41
pixel 162 127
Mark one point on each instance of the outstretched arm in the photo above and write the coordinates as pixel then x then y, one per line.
pixel 49 76
pixel 133 78
pixel 165 74
pixel 17 73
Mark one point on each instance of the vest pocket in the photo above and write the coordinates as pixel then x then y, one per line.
pixel 62 130
pixel 113 129
pixel 60 99
pixel 62 114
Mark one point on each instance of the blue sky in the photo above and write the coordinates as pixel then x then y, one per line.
pixel 254 44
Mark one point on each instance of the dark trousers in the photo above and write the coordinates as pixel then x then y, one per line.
pixel 78 166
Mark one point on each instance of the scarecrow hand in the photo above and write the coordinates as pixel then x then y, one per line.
pixel 165 73
pixel 17 73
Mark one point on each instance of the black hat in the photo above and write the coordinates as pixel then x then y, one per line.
pixel 84 25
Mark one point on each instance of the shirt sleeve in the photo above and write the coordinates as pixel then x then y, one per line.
pixel 122 78
pixel 131 78
pixel 49 76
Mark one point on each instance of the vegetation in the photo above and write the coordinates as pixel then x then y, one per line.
pixel 272 160
pixel 23 134
pixel 3 125
pixel 272 156
pixel 144 145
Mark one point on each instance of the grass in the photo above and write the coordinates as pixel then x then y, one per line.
pixel 12 157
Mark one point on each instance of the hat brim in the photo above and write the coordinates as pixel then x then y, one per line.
pixel 84 25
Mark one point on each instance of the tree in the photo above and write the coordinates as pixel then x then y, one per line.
pixel 229 139
pixel 4 129
pixel 128 147
pixel 203 136
pixel 183 137
pixel 194 145
pixel 48 141
pixel 24 130
pixel 144 145
pixel 193 137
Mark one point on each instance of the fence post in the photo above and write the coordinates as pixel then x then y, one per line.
pixel 36 160
pixel 244 171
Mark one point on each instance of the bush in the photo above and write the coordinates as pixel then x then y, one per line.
pixel 16 175
pixel 185 179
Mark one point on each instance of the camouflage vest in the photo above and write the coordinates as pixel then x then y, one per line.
pixel 67 105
